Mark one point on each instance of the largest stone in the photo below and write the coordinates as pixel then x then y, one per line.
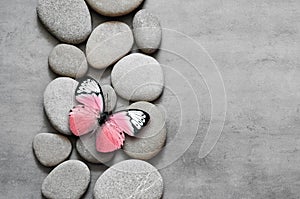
pixel 68 20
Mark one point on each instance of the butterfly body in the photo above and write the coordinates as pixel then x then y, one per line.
pixel 90 116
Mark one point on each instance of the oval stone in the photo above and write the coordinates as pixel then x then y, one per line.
pixel 108 43
pixel 147 31
pixel 51 149
pixel 59 99
pixel 151 139
pixel 138 77
pixel 110 97
pixel 70 179
pixel 68 60
pixel 114 8
pixel 68 20
pixel 129 179
pixel 86 147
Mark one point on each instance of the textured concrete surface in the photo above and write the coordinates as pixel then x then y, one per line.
pixel 255 45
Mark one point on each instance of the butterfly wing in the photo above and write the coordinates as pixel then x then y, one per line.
pixel 84 118
pixel 111 134
pixel 130 121
pixel 89 93
pixel 109 138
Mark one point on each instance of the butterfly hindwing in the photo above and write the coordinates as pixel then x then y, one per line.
pixel 89 93
pixel 109 138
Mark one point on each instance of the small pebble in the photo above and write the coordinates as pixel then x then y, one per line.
pixel 138 77
pixel 114 8
pixel 68 20
pixel 68 60
pixel 51 149
pixel 150 141
pixel 110 97
pixel 109 42
pixel 147 31
pixel 59 99
pixel 86 147
pixel 70 179
pixel 129 179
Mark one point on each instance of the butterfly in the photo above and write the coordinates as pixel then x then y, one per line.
pixel 90 116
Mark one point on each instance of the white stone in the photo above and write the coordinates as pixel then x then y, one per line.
pixel 68 60
pixel 138 77
pixel 109 42
pixel 147 31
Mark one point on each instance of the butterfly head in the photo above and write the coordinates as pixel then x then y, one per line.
pixel 103 118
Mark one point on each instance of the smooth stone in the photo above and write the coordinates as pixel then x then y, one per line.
pixel 59 99
pixel 114 8
pixel 68 20
pixel 147 31
pixel 151 139
pixel 68 60
pixel 110 97
pixel 86 147
pixel 109 42
pixel 70 179
pixel 51 149
pixel 129 179
pixel 138 77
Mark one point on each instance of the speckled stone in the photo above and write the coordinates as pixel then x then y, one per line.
pixel 150 141
pixel 110 97
pixel 108 43
pixel 147 31
pixel 114 8
pixel 70 179
pixel 51 149
pixel 86 147
pixel 68 20
pixel 68 60
pixel 129 179
pixel 138 77
pixel 59 99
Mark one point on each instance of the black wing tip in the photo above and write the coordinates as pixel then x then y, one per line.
pixel 147 114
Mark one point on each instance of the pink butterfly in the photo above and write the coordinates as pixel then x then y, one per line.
pixel 90 116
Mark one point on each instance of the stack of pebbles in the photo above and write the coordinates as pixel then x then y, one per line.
pixel 135 77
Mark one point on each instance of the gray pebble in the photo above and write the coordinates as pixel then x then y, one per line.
pixel 51 149
pixel 108 43
pixel 147 31
pixel 68 60
pixel 114 8
pixel 150 141
pixel 110 97
pixel 138 77
pixel 129 179
pixel 68 180
pixel 59 98
pixel 68 20
pixel 86 147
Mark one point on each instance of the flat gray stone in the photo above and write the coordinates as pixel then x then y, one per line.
pixel 138 77
pixel 86 147
pixel 68 60
pixel 68 20
pixel 68 180
pixel 59 99
pixel 108 43
pixel 110 97
pixel 150 141
pixel 129 179
pixel 51 149
pixel 114 8
pixel 147 31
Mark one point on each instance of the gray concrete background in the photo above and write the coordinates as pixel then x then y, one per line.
pixel 255 45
